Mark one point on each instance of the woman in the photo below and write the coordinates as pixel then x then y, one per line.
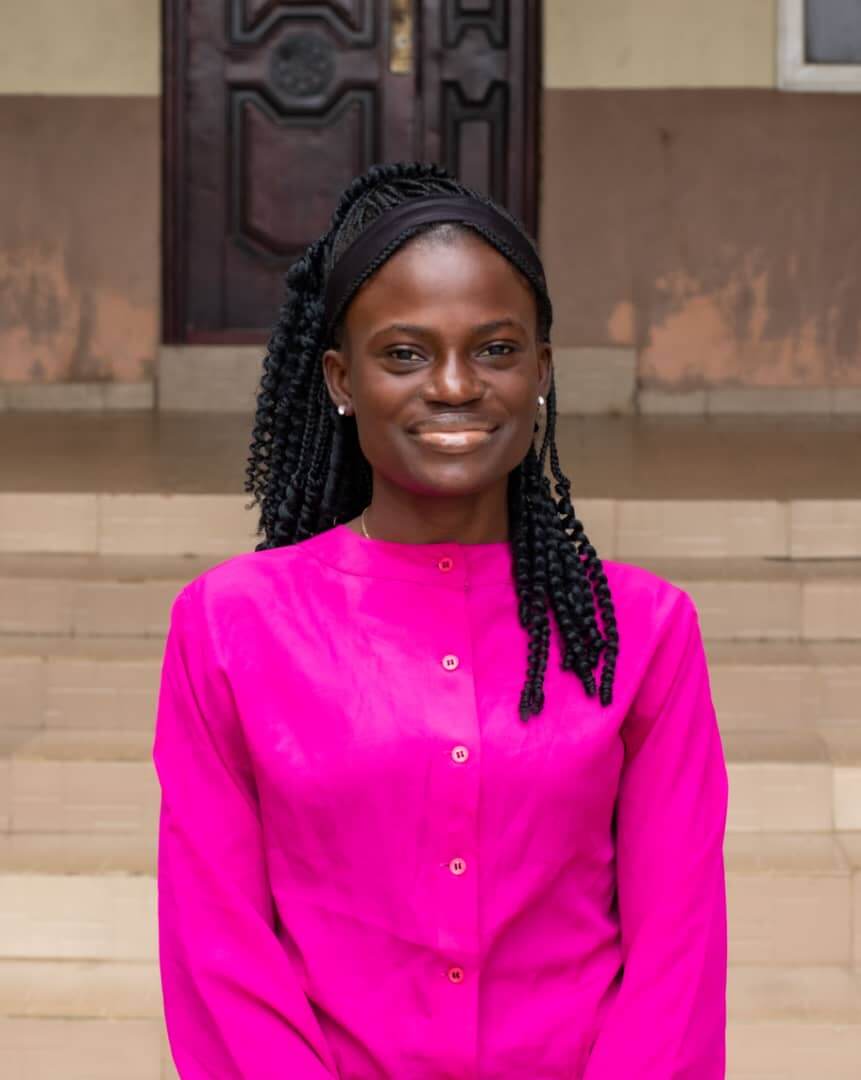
pixel 416 822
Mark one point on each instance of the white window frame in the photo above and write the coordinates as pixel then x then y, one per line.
pixel 792 71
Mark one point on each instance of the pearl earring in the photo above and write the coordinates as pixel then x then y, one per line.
pixel 540 400
pixel 342 410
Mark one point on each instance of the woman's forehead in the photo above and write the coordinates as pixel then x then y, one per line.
pixel 443 272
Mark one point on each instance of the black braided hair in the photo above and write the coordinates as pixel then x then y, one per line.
pixel 306 470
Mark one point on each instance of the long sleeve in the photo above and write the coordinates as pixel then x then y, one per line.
pixel 668 1020
pixel 234 1006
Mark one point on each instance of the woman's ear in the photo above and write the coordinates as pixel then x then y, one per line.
pixel 336 372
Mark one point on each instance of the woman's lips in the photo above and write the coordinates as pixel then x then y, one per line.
pixel 455 442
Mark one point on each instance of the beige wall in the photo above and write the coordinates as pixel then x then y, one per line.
pixel 113 46
pixel 81 47
pixel 659 43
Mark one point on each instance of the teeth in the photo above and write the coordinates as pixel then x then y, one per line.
pixel 454 438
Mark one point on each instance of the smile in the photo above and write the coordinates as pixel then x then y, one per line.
pixel 455 442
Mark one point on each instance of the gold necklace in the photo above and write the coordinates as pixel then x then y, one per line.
pixel 364 527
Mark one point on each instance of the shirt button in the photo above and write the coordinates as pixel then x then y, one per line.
pixel 450 662
pixel 445 563
pixel 459 753
pixel 457 866
pixel 455 974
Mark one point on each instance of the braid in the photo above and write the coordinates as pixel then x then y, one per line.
pixel 306 470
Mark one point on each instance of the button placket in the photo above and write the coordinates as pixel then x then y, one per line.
pixel 458 790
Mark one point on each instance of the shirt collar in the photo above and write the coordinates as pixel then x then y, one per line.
pixel 448 565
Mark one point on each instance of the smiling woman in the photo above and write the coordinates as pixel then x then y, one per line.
pixel 368 868
pixel 441 362
pixel 416 275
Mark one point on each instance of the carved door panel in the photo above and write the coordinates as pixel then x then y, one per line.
pixel 271 107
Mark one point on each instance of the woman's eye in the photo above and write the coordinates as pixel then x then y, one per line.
pixel 402 353
pixel 406 354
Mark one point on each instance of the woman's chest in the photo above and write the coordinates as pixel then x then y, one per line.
pixel 388 722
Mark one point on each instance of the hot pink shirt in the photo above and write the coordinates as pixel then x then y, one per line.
pixel 369 866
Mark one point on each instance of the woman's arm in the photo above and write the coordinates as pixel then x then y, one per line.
pixel 234 1007
pixel 668 1021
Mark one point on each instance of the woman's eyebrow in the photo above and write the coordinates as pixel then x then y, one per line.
pixel 428 331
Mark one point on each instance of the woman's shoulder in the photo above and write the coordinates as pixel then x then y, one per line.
pixel 646 600
pixel 250 575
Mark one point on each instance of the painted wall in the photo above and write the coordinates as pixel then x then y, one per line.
pixel 629 44
pixel 690 211
pixel 89 47
pixel 80 220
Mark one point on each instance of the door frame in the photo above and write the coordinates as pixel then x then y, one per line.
pixel 174 248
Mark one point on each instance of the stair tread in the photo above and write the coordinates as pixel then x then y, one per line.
pixel 122 647
pixel 840 746
pixel 78 854
pixel 816 745
pixel 826 745
pixel 792 853
pixel 755 993
pixel 789 853
pixel 117 569
pixel 745 569
pixel 108 647
pixel 784 653
pixel 140 569
pixel 75 744
pixel 802 994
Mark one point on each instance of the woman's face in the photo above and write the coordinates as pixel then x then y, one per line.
pixel 441 363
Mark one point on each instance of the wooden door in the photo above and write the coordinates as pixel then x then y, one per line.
pixel 270 109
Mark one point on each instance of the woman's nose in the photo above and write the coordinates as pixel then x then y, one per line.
pixel 455 378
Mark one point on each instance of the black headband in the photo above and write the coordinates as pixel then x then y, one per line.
pixel 393 222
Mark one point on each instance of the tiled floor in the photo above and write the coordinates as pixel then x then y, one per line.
pixel 614 457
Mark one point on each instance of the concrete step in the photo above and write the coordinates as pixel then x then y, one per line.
pixel 103 782
pixel 82 808
pixel 213 525
pixel 54 681
pixel 57 681
pixel 125 990
pixel 793 899
pixel 779 686
pixel 793 1023
pixel 808 781
pixel 85 1049
pixel 749 599
pixel 79 1019
pixel 72 782
pixel 79 963
pixel 92 595
pixel 130 595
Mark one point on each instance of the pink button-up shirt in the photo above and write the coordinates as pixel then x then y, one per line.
pixel 370 867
